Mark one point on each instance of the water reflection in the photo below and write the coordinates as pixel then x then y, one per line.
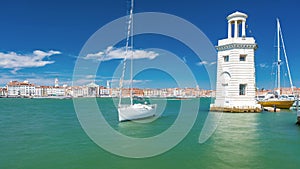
pixel 235 142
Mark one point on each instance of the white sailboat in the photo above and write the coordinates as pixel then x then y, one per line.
pixel 132 111
pixel 275 99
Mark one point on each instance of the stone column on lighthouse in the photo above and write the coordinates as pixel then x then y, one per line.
pixel 229 30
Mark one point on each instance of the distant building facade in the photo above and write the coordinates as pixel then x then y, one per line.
pixel 3 92
pixel 16 89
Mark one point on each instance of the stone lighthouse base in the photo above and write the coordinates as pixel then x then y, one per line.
pixel 236 109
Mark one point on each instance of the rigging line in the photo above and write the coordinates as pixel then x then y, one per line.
pixel 278 57
pixel 274 75
pixel 126 53
pixel 286 60
pixel 132 52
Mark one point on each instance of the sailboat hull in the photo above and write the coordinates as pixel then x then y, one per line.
pixel 282 104
pixel 136 111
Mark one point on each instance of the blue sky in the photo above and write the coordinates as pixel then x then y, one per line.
pixel 45 37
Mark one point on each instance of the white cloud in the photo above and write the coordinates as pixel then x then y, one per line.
pixel 80 82
pixel 90 76
pixel 14 71
pixel 17 61
pixel 263 65
pixel 213 63
pixel 202 63
pixel 111 53
pixel 37 79
pixel 205 63
pixel 126 83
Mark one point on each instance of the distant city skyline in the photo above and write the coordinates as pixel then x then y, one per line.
pixel 41 41
pixel 16 89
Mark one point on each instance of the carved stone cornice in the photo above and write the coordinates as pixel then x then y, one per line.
pixel 237 46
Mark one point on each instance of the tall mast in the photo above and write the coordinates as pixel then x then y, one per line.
pixel 278 56
pixel 131 62
pixel 129 33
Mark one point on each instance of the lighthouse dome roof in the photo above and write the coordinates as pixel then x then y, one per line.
pixel 237 15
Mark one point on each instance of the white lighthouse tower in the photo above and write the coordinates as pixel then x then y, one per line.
pixel 235 90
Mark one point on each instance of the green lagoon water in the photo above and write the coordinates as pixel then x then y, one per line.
pixel 46 134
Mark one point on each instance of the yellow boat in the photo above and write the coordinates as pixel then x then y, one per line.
pixel 282 104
